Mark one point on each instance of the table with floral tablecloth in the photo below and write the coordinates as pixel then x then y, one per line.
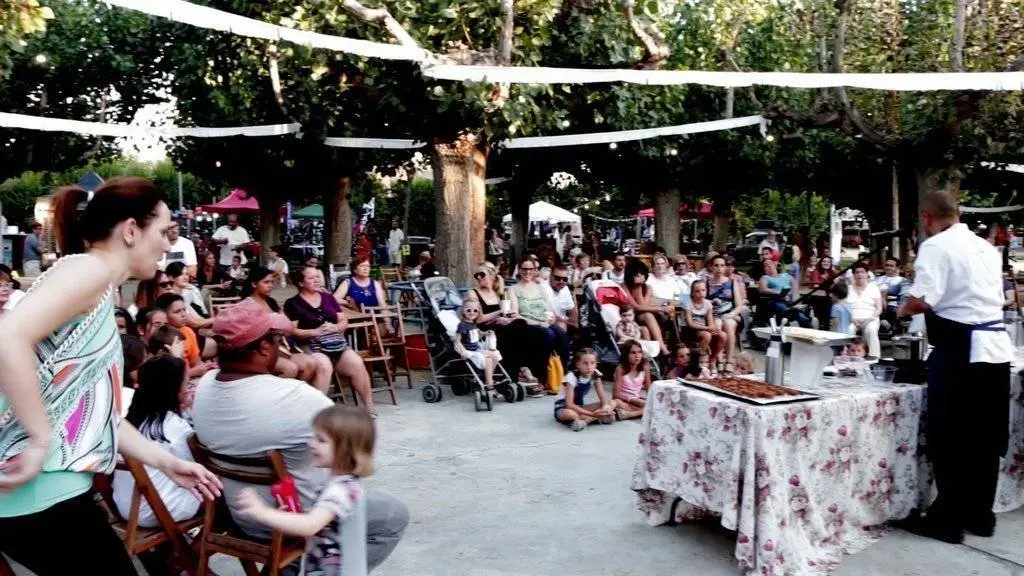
pixel 801 483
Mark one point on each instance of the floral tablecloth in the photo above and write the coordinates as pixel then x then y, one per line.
pixel 801 484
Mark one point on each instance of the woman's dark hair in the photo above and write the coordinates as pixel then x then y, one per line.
pixel 255 276
pixel 860 265
pixel 146 292
pixel 175 269
pixel 77 220
pixel 634 267
pixel 129 322
pixel 134 352
pixel 160 382
pixel 162 339
pixel 624 351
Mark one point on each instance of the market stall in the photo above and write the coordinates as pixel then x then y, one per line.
pixel 801 483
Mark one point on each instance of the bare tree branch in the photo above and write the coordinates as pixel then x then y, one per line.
pixel 275 80
pixel 851 112
pixel 655 50
pixel 381 17
pixel 726 55
pixel 956 50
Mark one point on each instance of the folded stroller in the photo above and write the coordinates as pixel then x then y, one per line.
pixel 604 297
pixel 443 301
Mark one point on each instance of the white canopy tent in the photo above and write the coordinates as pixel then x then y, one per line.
pixel 546 212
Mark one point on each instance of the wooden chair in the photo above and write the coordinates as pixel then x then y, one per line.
pixel 364 338
pixel 139 539
pixel 264 470
pixel 219 302
pixel 391 314
pixel 391 274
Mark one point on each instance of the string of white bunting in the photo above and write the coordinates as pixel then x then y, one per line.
pixel 213 19
pixel 26 122
pixel 628 135
pixel 916 81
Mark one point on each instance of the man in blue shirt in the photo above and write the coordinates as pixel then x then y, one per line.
pixel 31 261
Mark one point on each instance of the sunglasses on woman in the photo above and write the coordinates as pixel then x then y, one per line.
pixel 479 275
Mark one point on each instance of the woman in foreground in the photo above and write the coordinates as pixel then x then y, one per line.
pixel 60 383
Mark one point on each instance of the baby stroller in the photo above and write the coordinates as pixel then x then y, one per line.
pixel 604 297
pixel 443 300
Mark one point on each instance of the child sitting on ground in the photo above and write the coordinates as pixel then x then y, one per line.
pixel 627 328
pixel 631 376
pixel 571 408
pixel 336 525
pixel 470 345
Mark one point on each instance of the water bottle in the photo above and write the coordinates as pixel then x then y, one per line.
pixel 773 362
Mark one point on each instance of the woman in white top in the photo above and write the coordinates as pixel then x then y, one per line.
pixel 156 411
pixel 661 281
pixel 277 265
pixel 865 302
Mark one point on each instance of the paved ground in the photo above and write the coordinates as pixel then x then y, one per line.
pixel 512 493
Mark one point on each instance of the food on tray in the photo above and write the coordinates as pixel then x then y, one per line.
pixel 751 388
pixel 815 336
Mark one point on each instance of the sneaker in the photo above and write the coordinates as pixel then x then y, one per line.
pixel 536 391
pixel 578 425
pixel 609 419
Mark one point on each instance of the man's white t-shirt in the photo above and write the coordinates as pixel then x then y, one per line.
pixel 562 299
pixel 395 239
pixel 617 277
pixel 180 502
pixel 235 238
pixel 183 250
pixel 960 276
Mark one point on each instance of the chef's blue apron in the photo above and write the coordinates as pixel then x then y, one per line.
pixel 967 421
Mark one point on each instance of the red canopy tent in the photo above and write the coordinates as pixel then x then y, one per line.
pixel 238 202
pixel 704 209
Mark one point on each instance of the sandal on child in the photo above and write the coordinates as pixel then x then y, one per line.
pixel 620 414
pixel 609 419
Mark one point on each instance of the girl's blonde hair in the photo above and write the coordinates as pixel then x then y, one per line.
pixel 353 436
pixel 492 270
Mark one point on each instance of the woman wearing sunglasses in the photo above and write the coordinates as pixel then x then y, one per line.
pixel 512 333
pixel 533 304
pixel 149 290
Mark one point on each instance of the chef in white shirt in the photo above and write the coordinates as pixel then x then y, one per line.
pixel 231 236
pixel 958 286
pixel 395 240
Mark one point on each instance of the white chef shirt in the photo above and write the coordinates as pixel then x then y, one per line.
pixel 395 239
pixel 864 306
pixel 960 276
pixel 235 238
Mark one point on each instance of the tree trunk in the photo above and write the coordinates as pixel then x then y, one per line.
pixel 666 219
pixel 270 224
pixel 721 237
pixel 338 219
pixel 520 202
pixel 895 211
pixel 460 168
pixel 929 179
pixel 405 208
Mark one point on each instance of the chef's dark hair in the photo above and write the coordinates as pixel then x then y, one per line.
pixel 860 264
pixel 81 218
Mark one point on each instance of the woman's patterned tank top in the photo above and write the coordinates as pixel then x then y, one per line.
pixel 79 367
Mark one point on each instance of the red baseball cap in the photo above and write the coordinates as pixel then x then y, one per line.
pixel 246 322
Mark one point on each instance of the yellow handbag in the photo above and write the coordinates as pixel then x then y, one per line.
pixel 555 374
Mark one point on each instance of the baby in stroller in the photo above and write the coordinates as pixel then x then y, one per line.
pixel 476 346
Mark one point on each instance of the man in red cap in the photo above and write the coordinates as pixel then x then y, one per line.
pixel 244 409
